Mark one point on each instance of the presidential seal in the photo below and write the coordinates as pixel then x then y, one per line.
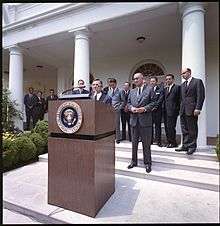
pixel 69 117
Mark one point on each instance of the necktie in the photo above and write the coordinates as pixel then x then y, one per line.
pixel 95 97
pixel 185 84
pixel 139 91
pixel 113 92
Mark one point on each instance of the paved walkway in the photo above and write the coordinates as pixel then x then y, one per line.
pixel 158 197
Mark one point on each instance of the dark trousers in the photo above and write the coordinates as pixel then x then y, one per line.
pixel 29 115
pixel 117 125
pixel 156 132
pixel 37 116
pixel 145 134
pixel 125 119
pixel 170 128
pixel 189 127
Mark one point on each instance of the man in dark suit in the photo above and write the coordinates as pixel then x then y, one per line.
pixel 81 88
pixel 158 98
pixel 171 109
pixel 125 114
pixel 98 94
pixel 192 98
pixel 140 105
pixel 118 102
pixel 106 88
pixel 52 96
pixel 29 100
pixel 39 108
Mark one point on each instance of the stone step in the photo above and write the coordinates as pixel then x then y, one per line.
pixel 209 154
pixel 196 165
pixel 170 175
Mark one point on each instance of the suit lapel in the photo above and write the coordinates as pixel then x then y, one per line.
pixel 190 85
pixel 140 97
pixel 172 88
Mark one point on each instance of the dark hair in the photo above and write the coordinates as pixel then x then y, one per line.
pixel 112 80
pixel 188 69
pixel 39 92
pixel 51 89
pixel 171 75
pixel 81 80
pixel 155 77
pixel 97 79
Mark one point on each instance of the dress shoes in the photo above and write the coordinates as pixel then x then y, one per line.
pixel 132 165
pixel 148 168
pixel 159 144
pixel 191 151
pixel 172 146
pixel 181 149
pixel 117 142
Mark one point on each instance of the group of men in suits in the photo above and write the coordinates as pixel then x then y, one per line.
pixel 143 107
pixel 36 106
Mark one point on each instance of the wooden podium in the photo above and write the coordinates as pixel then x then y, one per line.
pixel 81 166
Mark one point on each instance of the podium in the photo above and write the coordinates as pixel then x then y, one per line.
pixel 81 165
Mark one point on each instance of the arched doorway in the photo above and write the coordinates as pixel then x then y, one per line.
pixel 149 68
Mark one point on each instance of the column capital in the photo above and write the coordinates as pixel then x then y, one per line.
pixel 81 32
pixel 186 8
pixel 16 50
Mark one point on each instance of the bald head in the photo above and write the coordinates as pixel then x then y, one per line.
pixel 138 79
pixel 186 73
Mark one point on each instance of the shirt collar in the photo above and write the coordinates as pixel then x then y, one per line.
pixel 188 80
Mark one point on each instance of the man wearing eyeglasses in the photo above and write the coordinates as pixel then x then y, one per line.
pixel 140 105
pixel 192 98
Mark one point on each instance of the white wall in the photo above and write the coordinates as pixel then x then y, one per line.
pixel 212 90
pixel 121 67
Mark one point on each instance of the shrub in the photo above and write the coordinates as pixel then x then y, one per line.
pixel 38 141
pixel 217 149
pixel 10 158
pixel 25 147
pixel 41 127
pixel 6 144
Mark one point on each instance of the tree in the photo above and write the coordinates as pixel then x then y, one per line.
pixel 9 112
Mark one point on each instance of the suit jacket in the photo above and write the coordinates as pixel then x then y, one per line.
pixel 84 91
pixel 29 102
pixel 106 89
pixel 126 97
pixel 144 100
pixel 104 98
pixel 172 100
pixel 55 97
pixel 39 107
pixel 157 96
pixel 192 97
pixel 118 99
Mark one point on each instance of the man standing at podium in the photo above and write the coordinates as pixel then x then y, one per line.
pixel 81 88
pixel 98 94
pixel 140 105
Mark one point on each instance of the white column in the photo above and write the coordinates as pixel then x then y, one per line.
pixel 193 53
pixel 16 79
pixel 81 56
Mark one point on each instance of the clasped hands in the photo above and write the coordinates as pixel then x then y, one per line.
pixel 196 112
pixel 137 110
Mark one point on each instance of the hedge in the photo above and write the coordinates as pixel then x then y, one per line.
pixel 25 147
pixel 39 142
